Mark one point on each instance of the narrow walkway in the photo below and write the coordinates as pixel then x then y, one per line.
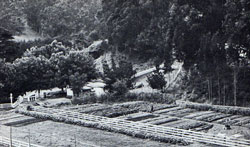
pixel 140 128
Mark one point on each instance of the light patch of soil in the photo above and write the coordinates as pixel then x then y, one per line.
pixel 50 133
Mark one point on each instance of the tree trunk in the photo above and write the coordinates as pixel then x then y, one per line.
pixel 235 86
pixel 224 94
pixel 211 90
pixel 209 96
pixel 219 93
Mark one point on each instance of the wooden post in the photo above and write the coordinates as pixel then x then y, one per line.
pixel 75 140
pixel 11 98
pixel 10 136
pixel 29 138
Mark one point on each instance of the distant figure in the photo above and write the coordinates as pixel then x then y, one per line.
pixel 227 125
pixel 152 108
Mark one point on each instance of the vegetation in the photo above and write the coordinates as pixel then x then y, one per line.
pixel 118 77
pixel 157 80
pixel 100 125
pixel 218 108
pixel 210 37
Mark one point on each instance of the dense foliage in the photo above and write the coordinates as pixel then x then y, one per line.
pixel 211 38
pixel 48 66
pixel 61 18
pixel 119 76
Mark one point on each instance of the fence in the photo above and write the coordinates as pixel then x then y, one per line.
pixel 143 128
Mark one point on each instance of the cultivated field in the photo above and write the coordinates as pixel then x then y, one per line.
pixel 129 116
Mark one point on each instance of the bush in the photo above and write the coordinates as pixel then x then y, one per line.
pixel 120 87
pixel 157 80
pixel 85 99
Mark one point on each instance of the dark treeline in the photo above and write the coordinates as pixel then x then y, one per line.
pixel 211 37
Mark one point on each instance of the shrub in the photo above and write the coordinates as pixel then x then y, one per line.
pixel 157 80
pixel 85 99
pixel 120 87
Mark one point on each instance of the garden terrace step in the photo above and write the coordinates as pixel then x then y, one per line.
pixel 82 106
pixel 181 113
pixel 203 127
pixel 168 110
pixel 199 113
pixel 192 125
pixel 157 107
pixel 243 122
pixel 142 117
pixel 95 108
pixel 204 117
pixel 163 121
pixel 153 119
pixel 144 130
pixel 135 115
pixel 217 117
pixel 175 123
pixel 224 120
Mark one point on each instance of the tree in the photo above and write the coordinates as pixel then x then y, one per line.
pixel 11 16
pixel 123 71
pixel 61 18
pixel 73 69
pixel 157 80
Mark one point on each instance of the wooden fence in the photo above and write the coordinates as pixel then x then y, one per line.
pixel 144 128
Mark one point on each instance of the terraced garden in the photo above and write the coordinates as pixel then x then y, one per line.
pixel 162 122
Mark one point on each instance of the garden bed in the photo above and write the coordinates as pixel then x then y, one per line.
pixel 164 121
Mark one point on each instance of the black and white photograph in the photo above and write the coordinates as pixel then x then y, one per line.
pixel 124 73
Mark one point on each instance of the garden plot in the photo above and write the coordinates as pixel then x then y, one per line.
pixel 191 125
pixel 93 109
pixel 199 113
pixel 113 112
pixel 203 127
pixel 21 121
pixel 164 111
pixel 176 123
pixel 79 107
pixel 154 119
pixel 145 106
pixel 242 121
pixel 225 120
pixel 216 117
pixel 163 121
pixel 138 116
pixel 181 113
pixel 204 117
